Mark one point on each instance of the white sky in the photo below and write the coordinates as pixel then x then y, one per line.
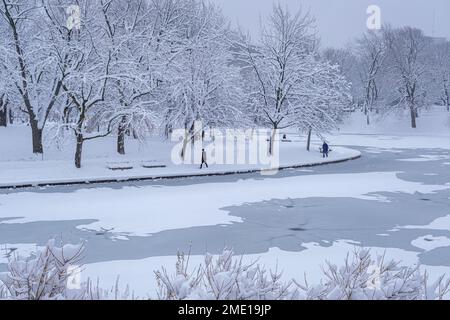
pixel 340 21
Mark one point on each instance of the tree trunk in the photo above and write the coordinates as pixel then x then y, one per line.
pixel 212 134
pixel 135 135
pixel 367 113
pixel 413 118
pixel 121 136
pixel 253 133
pixel 36 134
pixel 11 117
pixel 447 99
pixel 167 131
pixel 272 141
pixel 121 141
pixel 3 116
pixel 79 150
pixel 185 144
pixel 308 142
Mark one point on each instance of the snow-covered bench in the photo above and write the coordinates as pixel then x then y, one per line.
pixel 116 166
pixel 153 164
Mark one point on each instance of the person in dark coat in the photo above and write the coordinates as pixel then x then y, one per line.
pixel 325 150
pixel 204 159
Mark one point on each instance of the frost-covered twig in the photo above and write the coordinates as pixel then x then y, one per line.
pixel 43 276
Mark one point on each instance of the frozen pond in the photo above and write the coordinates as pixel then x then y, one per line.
pixel 398 199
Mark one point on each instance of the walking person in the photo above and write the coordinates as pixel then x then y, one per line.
pixel 204 159
pixel 325 150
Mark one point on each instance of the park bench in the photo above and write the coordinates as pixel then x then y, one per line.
pixel 153 164
pixel 122 166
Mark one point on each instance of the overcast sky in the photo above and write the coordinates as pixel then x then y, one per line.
pixel 339 21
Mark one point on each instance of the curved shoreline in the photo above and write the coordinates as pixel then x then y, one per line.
pixel 93 181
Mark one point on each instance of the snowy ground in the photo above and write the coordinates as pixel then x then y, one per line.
pixel 433 121
pixel 395 198
pixel 18 168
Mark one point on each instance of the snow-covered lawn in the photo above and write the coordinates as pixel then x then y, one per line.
pixel 17 167
pixel 433 121
pixel 393 131
pixel 392 143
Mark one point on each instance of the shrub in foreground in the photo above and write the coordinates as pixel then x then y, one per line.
pixel 361 277
pixel 47 275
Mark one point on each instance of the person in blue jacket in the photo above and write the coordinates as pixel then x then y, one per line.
pixel 325 150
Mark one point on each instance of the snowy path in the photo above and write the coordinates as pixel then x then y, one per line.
pixel 387 199
pixel 19 169
pixel 56 173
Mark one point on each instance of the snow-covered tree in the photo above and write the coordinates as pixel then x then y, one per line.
pixel 289 78
pixel 409 64
pixel 323 102
pixel 372 51
pixel 203 82
pixel 441 72
pixel 31 63
pixel 134 91
pixel 90 60
pixel 347 61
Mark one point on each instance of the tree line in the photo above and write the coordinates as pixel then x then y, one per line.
pixel 151 66
pixel 394 69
